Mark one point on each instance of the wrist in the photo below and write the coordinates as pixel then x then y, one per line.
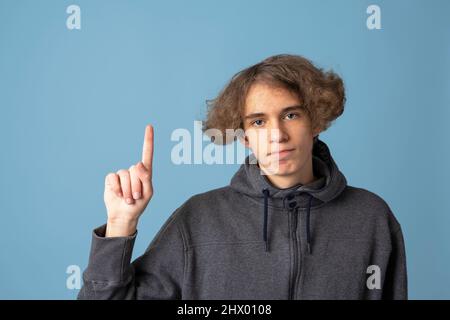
pixel 120 228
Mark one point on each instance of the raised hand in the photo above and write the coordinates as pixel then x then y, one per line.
pixel 128 191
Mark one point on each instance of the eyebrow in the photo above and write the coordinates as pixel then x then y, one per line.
pixel 262 114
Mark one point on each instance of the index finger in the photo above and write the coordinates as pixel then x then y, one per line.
pixel 147 149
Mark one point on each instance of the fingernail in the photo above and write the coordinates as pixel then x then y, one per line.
pixel 129 200
pixel 136 195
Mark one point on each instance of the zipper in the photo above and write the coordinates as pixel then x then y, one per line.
pixel 295 268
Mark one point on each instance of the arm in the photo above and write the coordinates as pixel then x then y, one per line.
pixel 157 274
pixel 396 284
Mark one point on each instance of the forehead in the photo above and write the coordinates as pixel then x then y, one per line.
pixel 267 98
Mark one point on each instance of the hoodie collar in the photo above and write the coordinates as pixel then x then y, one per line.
pixel 250 180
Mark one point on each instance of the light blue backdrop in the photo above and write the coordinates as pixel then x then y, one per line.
pixel 74 105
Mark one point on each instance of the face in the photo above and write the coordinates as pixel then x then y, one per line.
pixel 277 130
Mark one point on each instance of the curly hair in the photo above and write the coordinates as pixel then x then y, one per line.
pixel 321 92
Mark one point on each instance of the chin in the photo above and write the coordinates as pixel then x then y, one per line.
pixel 284 168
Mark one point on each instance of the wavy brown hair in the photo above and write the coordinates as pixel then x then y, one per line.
pixel 321 92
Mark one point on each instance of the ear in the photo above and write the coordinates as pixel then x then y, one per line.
pixel 316 132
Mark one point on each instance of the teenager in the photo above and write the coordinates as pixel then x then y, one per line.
pixel 288 226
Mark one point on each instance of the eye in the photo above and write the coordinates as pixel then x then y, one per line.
pixel 257 123
pixel 291 116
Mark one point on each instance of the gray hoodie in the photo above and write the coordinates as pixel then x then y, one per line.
pixel 251 240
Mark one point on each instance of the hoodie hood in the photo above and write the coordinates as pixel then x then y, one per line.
pixel 251 181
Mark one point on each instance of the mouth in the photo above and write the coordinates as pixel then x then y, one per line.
pixel 282 153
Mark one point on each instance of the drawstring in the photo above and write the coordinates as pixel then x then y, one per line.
pixel 308 227
pixel 266 196
pixel 308 233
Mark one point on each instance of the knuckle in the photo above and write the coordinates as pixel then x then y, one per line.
pixel 108 178
pixel 140 168
pixel 140 165
pixel 110 175
pixel 122 172
pixel 142 172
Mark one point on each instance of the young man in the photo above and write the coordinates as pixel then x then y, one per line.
pixel 286 227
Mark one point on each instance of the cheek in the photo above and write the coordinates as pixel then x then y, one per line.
pixel 259 148
pixel 257 139
pixel 300 135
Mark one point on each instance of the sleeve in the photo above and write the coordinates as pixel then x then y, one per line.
pixel 157 274
pixel 396 283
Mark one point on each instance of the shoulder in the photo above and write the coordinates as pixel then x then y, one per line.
pixel 208 201
pixel 372 204
pixel 365 197
pixel 213 194
pixel 198 212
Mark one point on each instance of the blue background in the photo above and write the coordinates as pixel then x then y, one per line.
pixel 74 105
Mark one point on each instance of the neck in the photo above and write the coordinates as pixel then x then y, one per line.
pixel 303 176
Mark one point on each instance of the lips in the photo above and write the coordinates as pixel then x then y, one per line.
pixel 282 153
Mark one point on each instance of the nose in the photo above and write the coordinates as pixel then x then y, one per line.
pixel 277 133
